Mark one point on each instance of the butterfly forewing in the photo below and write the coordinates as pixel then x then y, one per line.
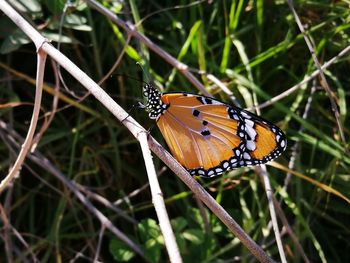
pixel 203 141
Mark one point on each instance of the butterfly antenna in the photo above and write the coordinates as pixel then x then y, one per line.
pixel 146 74
pixel 130 77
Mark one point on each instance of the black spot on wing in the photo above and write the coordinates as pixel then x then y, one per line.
pixel 205 132
pixel 204 100
pixel 208 101
pixel 195 113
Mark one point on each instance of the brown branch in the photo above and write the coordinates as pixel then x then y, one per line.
pixel 41 59
pixel 158 201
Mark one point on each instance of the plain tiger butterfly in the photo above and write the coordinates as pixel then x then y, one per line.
pixel 209 137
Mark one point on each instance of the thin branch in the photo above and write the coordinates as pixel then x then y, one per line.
pixel 193 3
pixel 158 201
pixel 106 203
pixel 99 243
pixel 117 62
pixel 323 77
pixel 295 147
pixel 305 80
pixel 137 191
pixel 204 216
pixel 221 85
pixel 16 234
pixel 51 114
pixel 269 193
pixel 41 59
pixel 6 233
pixel 289 230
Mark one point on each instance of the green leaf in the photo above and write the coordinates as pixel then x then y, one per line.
pixel 181 242
pixel 7 27
pixel 217 226
pixel 76 22
pixel 57 37
pixel 55 7
pixel 151 235
pixel 153 250
pixel 196 236
pixel 27 6
pixel 196 216
pixel 178 224
pixel 149 229
pixel 130 51
pixel 120 251
pixel 14 41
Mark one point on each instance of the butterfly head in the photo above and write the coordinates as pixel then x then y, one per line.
pixel 154 104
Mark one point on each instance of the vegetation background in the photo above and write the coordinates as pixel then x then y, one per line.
pixel 256 49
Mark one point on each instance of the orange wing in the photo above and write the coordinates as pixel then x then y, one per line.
pixel 209 137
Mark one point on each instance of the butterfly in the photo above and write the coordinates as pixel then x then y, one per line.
pixel 209 137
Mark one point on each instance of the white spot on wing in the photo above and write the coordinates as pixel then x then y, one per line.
pixel 249 123
pixel 278 137
pixel 218 171
pixel 283 143
pixel 238 152
pixel 235 116
pixel 225 165
pixel 251 132
pixel 251 145
pixel 211 173
pixel 216 102
pixel 245 115
pixel 246 156
pixel 201 172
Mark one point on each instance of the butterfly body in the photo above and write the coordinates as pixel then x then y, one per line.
pixel 209 137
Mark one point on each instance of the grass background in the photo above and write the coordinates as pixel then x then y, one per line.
pixel 256 50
